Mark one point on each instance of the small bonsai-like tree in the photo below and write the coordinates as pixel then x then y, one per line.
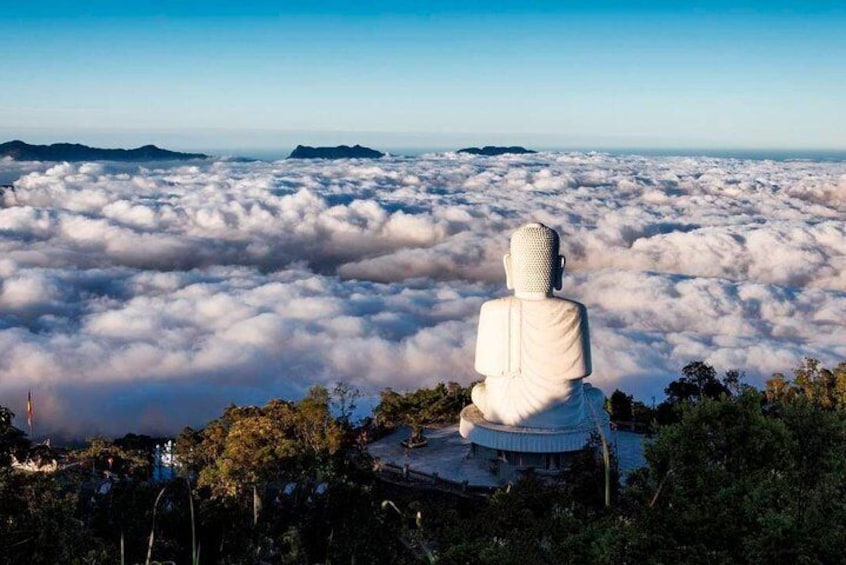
pixel 421 408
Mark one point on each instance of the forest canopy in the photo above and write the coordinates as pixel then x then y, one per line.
pixel 733 475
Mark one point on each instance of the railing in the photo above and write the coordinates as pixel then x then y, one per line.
pixel 629 426
pixel 430 480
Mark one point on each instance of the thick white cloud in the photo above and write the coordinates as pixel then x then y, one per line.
pixel 147 298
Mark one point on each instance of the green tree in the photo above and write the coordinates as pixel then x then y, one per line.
pixel 102 454
pixel 643 414
pixel 12 440
pixel 344 401
pixel 39 524
pixel 816 382
pixel 732 483
pixel 840 384
pixel 824 387
pixel 733 381
pixel 423 407
pixel 620 406
pixel 698 381
pixel 778 389
pixel 800 510
pixel 249 447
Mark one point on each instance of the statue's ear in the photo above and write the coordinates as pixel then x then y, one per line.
pixel 559 275
pixel 509 278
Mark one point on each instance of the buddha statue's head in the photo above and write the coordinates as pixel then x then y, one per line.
pixel 534 267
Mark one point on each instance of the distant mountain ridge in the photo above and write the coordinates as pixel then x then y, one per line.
pixel 493 150
pixel 22 151
pixel 338 152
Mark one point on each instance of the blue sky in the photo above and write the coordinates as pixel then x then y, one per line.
pixel 547 74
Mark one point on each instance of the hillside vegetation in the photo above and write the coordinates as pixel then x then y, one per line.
pixel 734 475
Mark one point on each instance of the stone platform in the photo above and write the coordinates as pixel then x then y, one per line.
pixel 451 456
pixel 518 439
pixel 446 454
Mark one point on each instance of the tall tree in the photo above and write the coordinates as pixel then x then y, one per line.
pixel 12 440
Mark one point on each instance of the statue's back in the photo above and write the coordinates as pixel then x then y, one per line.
pixel 548 338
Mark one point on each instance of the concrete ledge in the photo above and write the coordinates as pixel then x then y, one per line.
pixel 479 431
pixel 447 455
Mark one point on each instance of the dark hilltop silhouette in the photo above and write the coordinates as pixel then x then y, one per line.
pixel 339 152
pixel 493 150
pixel 21 151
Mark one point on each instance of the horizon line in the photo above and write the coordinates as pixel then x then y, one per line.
pixel 399 150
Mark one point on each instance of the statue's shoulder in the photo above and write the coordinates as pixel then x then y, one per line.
pixel 560 307
pixel 497 305
pixel 570 304
pixel 501 308
pixel 554 301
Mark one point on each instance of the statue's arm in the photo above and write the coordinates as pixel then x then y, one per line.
pixel 492 339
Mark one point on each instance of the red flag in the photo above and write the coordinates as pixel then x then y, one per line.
pixel 29 409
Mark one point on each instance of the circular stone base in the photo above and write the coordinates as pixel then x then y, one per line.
pixel 475 428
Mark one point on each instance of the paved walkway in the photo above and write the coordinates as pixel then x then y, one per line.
pixel 447 454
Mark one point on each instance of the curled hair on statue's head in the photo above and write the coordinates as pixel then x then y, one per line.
pixel 533 265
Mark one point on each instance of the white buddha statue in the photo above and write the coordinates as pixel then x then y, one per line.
pixel 533 347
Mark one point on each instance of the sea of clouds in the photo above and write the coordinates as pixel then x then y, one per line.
pixel 148 297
